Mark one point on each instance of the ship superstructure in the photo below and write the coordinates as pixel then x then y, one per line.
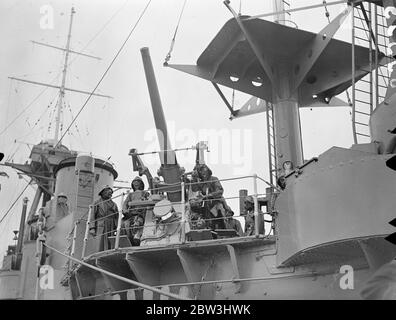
pixel 312 219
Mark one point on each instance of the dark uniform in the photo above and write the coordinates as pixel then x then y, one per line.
pixel 134 215
pixel 230 222
pixel 250 219
pixel 104 220
pixel 210 197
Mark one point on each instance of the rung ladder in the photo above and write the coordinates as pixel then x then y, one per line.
pixel 368 30
pixel 271 144
pixel 286 6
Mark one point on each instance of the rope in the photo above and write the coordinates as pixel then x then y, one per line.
pixel 168 56
pixel 116 276
pixel 105 73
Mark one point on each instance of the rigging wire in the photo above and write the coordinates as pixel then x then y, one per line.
pixel 51 116
pixel 327 14
pixel 28 106
pixel 106 71
pixel 59 73
pixel 6 223
pixel 30 131
pixel 100 31
pixel 75 125
pixel 13 204
pixel 8 100
pixel 168 56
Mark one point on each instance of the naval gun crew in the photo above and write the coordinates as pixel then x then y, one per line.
pixel 209 197
pixel 134 215
pixel 104 218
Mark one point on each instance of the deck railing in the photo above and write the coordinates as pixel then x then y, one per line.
pixel 183 220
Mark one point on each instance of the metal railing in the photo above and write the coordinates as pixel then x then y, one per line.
pixel 185 218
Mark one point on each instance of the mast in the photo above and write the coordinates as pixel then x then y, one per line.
pixel 287 130
pixel 64 72
pixel 62 87
pixel 44 157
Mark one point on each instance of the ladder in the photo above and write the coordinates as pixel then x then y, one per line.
pixel 281 6
pixel 368 30
pixel 272 158
pixel 286 6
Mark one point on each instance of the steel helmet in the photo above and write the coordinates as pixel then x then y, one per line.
pixel 201 167
pixel 62 195
pixel 104 188
pixel 249 199
pixel 137 179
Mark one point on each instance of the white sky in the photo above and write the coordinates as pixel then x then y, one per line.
pixel 112 127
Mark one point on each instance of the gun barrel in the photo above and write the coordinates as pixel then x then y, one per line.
pixel 168 157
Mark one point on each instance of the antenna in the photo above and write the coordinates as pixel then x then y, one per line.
pixel 62 87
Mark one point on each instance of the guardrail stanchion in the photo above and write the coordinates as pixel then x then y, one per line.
pixel 183 203
pixel 117 240
pixel 74 239
pixel 256 209
pixel 87 227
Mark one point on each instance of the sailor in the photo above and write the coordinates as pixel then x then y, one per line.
pixel 281 182
pixel 62 208
pixel 211 194
pixel 249 218
pixel 231 223
pixel 37 224
pixel 134 215
pixel 104 218
pixel 41 221
pixel 196 205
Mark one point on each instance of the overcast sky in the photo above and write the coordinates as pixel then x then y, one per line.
pixel 110 127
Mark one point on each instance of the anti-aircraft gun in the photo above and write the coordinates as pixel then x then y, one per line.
pixel 166 192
